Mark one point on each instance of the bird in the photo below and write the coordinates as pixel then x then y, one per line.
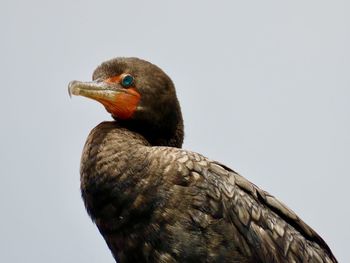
pixel 154 201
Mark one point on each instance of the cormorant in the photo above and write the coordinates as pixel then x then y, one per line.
pixel 155 202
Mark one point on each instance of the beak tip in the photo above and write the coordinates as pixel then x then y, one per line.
pixel 71 88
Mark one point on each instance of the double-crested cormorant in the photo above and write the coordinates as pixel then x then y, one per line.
pixel 155 202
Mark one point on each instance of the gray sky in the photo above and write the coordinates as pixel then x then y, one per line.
pixel 264 88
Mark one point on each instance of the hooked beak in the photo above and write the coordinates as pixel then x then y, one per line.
pixel 118 101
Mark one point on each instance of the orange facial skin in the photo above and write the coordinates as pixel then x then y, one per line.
pixel 114 79
pixel 123 104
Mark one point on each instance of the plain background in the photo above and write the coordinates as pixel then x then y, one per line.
pixel 264 88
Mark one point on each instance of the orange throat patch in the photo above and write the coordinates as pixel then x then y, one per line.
pixel 124 104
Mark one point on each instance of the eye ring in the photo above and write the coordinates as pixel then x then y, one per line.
pixel 127 80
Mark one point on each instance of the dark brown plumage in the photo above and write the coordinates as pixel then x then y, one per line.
pixel 155 202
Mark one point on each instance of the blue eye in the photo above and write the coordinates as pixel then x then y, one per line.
pixel 127 80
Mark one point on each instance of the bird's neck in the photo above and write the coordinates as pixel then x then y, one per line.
pixel 162 133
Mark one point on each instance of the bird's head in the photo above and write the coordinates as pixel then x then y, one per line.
pixel 139 96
